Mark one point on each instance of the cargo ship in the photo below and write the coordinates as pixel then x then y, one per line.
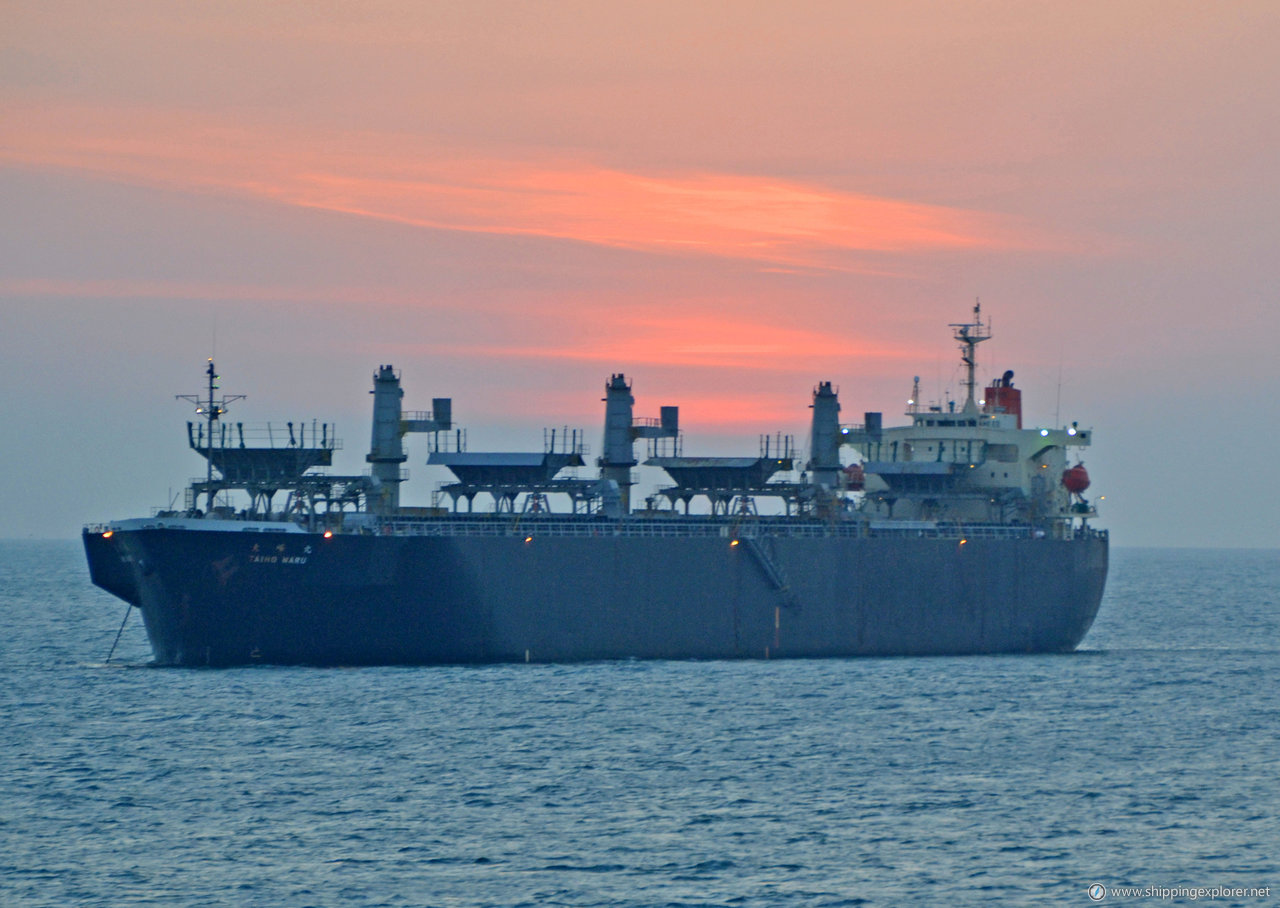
pixel 960 531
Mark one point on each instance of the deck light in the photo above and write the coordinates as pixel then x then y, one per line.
pixel 108 534
pixel 328 534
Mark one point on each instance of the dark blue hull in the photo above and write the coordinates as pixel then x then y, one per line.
pixel 222 597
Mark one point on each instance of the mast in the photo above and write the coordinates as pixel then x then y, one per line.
pixel 211 408
pixel 970 334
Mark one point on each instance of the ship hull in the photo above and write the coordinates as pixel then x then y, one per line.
pixel 227 597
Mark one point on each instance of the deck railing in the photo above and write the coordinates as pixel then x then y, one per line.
pixel 696 527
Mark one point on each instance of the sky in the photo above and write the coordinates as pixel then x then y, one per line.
pixel 727 202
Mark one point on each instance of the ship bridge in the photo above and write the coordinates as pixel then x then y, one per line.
pixel 972 462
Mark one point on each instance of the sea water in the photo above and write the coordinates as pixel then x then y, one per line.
pixel 1149 758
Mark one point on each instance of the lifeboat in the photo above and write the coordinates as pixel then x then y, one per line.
pixel 854 478
pixel 1076 479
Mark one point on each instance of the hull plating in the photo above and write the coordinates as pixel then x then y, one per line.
pixel 222 598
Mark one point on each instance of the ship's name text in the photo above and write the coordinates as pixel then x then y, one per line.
pixel 277 559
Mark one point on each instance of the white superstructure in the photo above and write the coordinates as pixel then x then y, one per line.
pixel 974 463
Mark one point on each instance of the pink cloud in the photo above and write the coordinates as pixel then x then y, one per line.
pixel 779 224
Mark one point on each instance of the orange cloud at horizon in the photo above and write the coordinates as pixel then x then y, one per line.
pixel 685 334
pixel 779 223
pixel 693 338
pixel 708 413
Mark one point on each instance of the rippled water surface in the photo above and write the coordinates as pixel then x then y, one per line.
pixel 1150 757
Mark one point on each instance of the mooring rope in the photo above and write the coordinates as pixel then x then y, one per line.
pixel 127 609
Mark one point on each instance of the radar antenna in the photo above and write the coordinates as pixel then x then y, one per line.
pixel 969 335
